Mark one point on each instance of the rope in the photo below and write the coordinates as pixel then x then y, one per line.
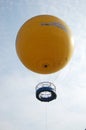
pixel 46 117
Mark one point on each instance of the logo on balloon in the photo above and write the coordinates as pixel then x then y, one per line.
pixel 57 24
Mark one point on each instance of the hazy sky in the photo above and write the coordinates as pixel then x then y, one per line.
pixel 19 109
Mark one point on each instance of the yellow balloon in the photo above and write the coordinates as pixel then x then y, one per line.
pixel 44 44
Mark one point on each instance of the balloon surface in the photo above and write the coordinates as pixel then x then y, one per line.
pixel 44 44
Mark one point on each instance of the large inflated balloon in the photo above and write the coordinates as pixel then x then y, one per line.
pixel 44 44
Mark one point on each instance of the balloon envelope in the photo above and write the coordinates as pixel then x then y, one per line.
pixel 44 44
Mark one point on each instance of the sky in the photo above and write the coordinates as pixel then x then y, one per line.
pixel 19 108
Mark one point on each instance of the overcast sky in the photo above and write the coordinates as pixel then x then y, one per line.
pixel 19 109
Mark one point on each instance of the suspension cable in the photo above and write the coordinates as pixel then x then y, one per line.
pixel 46 117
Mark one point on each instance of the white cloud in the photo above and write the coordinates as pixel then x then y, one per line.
pixel 5 125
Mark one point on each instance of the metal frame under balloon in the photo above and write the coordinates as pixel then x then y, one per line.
pixel 46 91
